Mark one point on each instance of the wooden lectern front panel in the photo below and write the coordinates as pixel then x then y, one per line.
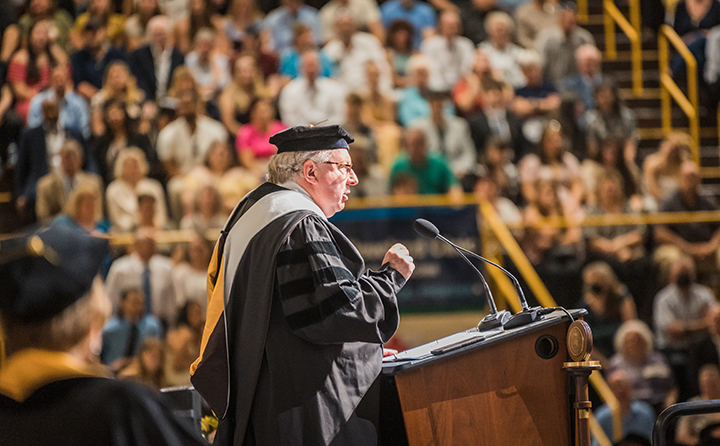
pixel 502 394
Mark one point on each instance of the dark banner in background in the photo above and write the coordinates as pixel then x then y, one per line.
pixel 442 280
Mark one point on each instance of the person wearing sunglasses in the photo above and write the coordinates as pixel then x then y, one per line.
pixel 295 322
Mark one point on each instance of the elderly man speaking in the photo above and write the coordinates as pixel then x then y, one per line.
pixel 295 323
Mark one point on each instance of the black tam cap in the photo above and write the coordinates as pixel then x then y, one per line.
pixel 45 271
pixel 306 138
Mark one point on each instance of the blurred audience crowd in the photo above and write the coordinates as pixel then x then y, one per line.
pixel 136 116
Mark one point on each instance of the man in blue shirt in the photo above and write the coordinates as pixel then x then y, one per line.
pixel 73 110
pixel 419 14
pixel 123 335
pixel 637 417
pixel 280 23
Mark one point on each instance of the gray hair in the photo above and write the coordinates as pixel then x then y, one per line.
pixel 633 326
pixel 289 165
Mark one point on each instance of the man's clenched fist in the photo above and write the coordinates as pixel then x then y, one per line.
pixel 399 259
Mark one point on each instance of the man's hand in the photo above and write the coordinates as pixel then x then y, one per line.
pixel 399 259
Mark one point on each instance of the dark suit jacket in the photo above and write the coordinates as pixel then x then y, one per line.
pixel 32 163
pixel 142 65
pixel 480 131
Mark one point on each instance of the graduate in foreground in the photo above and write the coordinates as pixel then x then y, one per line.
pixel 52 309
pixel 295 323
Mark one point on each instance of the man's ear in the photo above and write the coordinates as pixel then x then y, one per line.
pixel 310 172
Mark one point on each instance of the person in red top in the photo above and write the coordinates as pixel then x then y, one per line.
pixel 253 139
pixel 30 66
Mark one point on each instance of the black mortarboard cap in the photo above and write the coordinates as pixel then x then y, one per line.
pixel 307 138
pixel 45 271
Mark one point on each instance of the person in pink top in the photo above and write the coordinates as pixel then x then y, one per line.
pixel 253 143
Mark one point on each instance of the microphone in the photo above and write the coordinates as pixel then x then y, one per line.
pixel 496 318
pixel 526 316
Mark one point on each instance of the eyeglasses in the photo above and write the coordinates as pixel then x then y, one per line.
pixel 346 166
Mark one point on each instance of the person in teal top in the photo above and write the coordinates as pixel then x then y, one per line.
pixel 431 170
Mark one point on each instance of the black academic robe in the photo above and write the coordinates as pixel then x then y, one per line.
pixel 76 408
pixel 305 323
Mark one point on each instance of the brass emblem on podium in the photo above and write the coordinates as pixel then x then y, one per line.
pixel 579 341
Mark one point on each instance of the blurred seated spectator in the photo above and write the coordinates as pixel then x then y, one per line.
pixel 90 62
pixel 200 14
pixel 351 50
pixel 245 86
pixel 73 109
pixel 54 189
pixel 661 170
pixel 312 98
pixel 608 303
pixel 534 17
pixel 564 167
pixel 496 120
pixel 183 342
pixel 30 67
pixel 569 114
pixel 252 143
pixel 372 177
pixel 207 211
pixel 451 55
pixel 136 24
pixel 537 97
pixel 83 209
pixel 706 351
pixel 290 57
pixel 131 182
pixel 11 125
pixel 39 153
pixel 689 428
pixel 587 60
pixel 209 67
pixel 693 19
pixel 100 11
pixel 646 369
pixel 487 189
pixel 699 240
pixel 450 137
pixel 473 14
pixel 610 118
pixel 119 135
pixel 147 213
pixel 183 143
pixel 219 169
pixel 125 332
pixel 377 116
pixel 148 367
pixel 399 47
pixel 469 92
pixel 543 241
pixel 502 52
pixel 190 280
pixel 365 13
pixel 610 157
pixel 242 16
pixel 147 270
pixel 412 100
pixel 153 64
pixel 637 417
pixel 404 185
pixel 118 85
pixel 557 45
pixel 61 22
pixel 255 44
pixel 418 13
pixel 430 170
pixel 279 23
pixel 497 159
pixel 679 312
pixel 620 243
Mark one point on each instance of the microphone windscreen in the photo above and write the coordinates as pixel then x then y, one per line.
pixel 425 228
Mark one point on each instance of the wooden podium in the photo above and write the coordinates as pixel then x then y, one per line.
pixel 493 388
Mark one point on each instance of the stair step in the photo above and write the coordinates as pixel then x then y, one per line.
pixel 626 56
pixel 657 132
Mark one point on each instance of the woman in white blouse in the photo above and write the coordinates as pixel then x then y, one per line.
pixel 131 181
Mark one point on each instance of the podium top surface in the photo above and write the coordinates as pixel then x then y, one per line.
pixel 465 341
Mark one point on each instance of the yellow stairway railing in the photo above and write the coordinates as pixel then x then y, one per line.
pixel 633 30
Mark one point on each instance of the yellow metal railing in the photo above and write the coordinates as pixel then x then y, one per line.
pixel 582 11
pixel 669 89
pixel 633 30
